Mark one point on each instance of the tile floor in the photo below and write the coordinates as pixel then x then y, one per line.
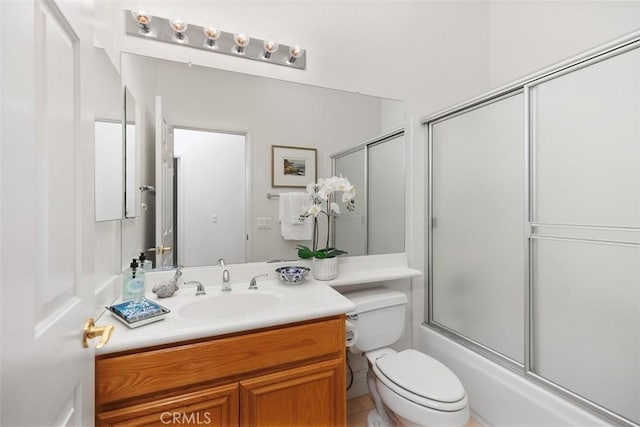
pixel 358 408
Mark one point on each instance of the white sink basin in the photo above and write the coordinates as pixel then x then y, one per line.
pixel 231 304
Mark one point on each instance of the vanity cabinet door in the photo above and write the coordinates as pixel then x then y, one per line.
pixel 313 395
pixel 216 406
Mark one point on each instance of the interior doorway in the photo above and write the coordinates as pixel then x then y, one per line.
pixel 210 197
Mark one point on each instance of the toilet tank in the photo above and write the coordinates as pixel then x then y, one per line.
pixel 379 317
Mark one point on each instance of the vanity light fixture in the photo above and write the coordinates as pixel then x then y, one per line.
pixel 143 18
pixel 177 31
pixel 241 40
pixel 179 27
pixel 212 33
pixel 295 52
pixel 270 47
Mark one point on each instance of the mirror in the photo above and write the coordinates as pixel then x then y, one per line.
pixel 108 140
pixel 265 112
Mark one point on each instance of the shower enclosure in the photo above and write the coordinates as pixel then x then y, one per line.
pixel 534 237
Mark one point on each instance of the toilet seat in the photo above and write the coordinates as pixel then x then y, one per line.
pixel 421 379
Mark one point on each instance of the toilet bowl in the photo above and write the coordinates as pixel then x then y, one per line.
pixel 409 387
pixel 417 389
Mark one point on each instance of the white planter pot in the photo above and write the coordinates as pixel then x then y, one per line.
pixel 325 268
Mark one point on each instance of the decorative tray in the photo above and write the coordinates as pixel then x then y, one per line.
pixel 138 312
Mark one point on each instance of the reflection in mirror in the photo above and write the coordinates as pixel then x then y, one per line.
pixel 108 160
pixel 379 169
pixel 132 194
pixel 351 227
pixel 108 170
pixel 385 196
pixel 268 112
pixel 209 167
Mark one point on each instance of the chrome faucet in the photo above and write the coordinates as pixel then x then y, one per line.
pixel 253 284
pixel 226 284
pixel 199 287
pixel 221 263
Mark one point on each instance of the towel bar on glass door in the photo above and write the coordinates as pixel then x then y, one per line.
pixel 272 196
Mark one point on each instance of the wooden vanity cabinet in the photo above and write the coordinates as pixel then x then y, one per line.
pixel 292 375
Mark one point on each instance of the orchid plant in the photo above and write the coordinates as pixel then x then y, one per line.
pixel 323 196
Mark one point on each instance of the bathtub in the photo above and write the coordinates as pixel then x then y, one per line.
pixel 499 396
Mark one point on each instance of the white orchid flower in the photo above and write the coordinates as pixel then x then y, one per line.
pixel 314 210
pixel 324 193
pixel 349 194
pixel 335 208
pixel 311 187
pixel 342 184
pixel 330 184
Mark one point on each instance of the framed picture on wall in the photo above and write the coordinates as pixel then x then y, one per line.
pixel 292 166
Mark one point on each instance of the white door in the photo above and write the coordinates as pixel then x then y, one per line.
pixel 46 234
pixel 164 189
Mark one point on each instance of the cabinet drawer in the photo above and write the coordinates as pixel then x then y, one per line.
pixel 231 358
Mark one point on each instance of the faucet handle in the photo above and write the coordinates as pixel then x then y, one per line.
pixel 253 284
pixel 177 274
pixel 199 287
pixel 226 285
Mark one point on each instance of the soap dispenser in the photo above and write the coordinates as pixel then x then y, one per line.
pixel 133 282
pixel 144 263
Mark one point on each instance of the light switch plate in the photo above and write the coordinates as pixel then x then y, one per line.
pixel 264 223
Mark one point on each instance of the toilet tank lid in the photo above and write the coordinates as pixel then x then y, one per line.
pixel 373 299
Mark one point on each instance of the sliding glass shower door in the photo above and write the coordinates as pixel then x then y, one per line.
pixel 478 214
pixel 534 237
pixel 585 230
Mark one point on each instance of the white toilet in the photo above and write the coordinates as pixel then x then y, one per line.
pixel 408 387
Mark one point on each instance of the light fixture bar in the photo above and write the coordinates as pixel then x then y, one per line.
pixel 159 29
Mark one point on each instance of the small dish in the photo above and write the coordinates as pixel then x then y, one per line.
pixel 292 275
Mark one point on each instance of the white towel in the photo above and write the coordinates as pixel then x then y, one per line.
pixel 292 205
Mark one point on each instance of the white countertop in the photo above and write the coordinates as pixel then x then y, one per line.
pixel 311 300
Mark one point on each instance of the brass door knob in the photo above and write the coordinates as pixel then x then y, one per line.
pixel 91 331
pixel 160 249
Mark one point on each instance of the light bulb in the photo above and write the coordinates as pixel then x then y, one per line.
pixel 295 52
pixel 212 33
pixel 179 26
pixel 242 41
pixel 270 47
pixel 143 18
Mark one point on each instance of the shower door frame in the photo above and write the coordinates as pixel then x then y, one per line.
pixel 525 85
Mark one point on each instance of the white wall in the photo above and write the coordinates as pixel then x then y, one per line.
pixel 429 52
pixel 526 36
